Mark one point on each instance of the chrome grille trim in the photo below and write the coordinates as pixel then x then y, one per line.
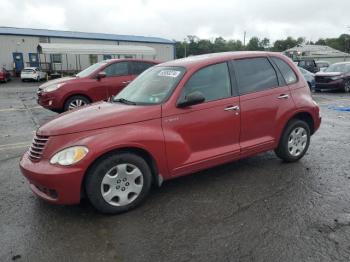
pixel 37 147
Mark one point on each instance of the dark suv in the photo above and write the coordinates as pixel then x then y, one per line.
pixel 308 64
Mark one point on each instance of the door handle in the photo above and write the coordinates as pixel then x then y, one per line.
pixel 283 96
pixel 232 108
pixel 126 82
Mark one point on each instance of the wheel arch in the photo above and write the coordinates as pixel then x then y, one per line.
pixel 70 95
pixel 302 115
pixel 307 118
pixel 150 160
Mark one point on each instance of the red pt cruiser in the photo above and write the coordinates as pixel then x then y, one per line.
pixel 97 82
pixel 176 118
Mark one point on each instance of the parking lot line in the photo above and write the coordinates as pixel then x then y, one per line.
pixel 19 109
pixel 15 145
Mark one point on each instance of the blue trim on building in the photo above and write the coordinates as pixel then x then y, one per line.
pixel 81 35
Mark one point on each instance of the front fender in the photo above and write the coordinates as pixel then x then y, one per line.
pixel 147 136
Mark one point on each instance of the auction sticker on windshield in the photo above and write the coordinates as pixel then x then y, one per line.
pixel 169 73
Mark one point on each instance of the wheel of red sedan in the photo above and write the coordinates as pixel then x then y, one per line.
pixel 75 102
pixel 118 183
pixel 294 142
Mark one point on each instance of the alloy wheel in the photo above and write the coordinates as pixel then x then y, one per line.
pixel 76 103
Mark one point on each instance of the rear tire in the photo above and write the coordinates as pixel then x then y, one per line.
pixel 75 102
pixel 294 141
pixel 118 183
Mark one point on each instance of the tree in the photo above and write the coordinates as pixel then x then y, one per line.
pixel 265 43
pixel 253 44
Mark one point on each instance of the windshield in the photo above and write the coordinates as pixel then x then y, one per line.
pixel 151 87
pixel 86 72
pixel 344 68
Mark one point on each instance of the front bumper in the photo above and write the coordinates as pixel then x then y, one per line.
pixel 55 184
pixel 334 85
pixel 49 101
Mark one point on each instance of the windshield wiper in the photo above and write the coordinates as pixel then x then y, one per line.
pixel 124 101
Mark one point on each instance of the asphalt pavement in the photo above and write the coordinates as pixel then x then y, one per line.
pixel 256 209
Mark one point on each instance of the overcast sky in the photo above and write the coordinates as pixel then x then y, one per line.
pixel 175 19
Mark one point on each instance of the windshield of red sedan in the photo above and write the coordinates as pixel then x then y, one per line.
pixel 151 87
pixel 86 72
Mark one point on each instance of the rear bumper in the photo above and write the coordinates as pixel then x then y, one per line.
pixel 334 85
pixel 317 123
pixel 55 184
pixel 29 77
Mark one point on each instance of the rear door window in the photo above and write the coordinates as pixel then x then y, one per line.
pixel 212 81
pixel 254 75
pixel 286 71
pixel 117 69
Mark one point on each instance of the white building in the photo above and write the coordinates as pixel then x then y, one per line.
pixel 69 51
pixel 317 52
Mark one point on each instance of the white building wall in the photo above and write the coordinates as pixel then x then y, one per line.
pixel 28 44
pixel 21 44
pixel 164 52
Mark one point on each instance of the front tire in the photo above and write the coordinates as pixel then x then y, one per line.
pixel 118 183
pixel 294 142
pixel 347 86
pixel 75 102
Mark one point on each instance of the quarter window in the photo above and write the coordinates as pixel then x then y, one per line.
pixel 287 72
pixel 255 74
pixel 212 81
pixel 117 69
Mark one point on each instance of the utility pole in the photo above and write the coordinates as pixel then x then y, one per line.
pixel 245 33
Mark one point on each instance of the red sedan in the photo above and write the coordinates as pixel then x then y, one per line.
pixel 5 75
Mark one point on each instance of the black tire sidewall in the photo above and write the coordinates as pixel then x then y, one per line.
pixel 347 83
pixel 72 98
pixel 282 150
pixel 97 172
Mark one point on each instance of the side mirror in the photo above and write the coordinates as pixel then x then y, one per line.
pixel 191 99
pixel 101 75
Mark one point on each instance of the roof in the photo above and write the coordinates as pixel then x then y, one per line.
pixel 216 58
pixel 81 35
pixel 86 49
pixel 317 50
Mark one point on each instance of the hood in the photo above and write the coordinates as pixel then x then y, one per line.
pixel 57 81
pixel 96 116
pixel 329 73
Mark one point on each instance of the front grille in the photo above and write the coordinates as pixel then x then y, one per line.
pixel 323 79
pixel 37 147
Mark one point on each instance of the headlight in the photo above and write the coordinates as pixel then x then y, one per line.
pixel 336 77
pixel 69 156
pixel 53 87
